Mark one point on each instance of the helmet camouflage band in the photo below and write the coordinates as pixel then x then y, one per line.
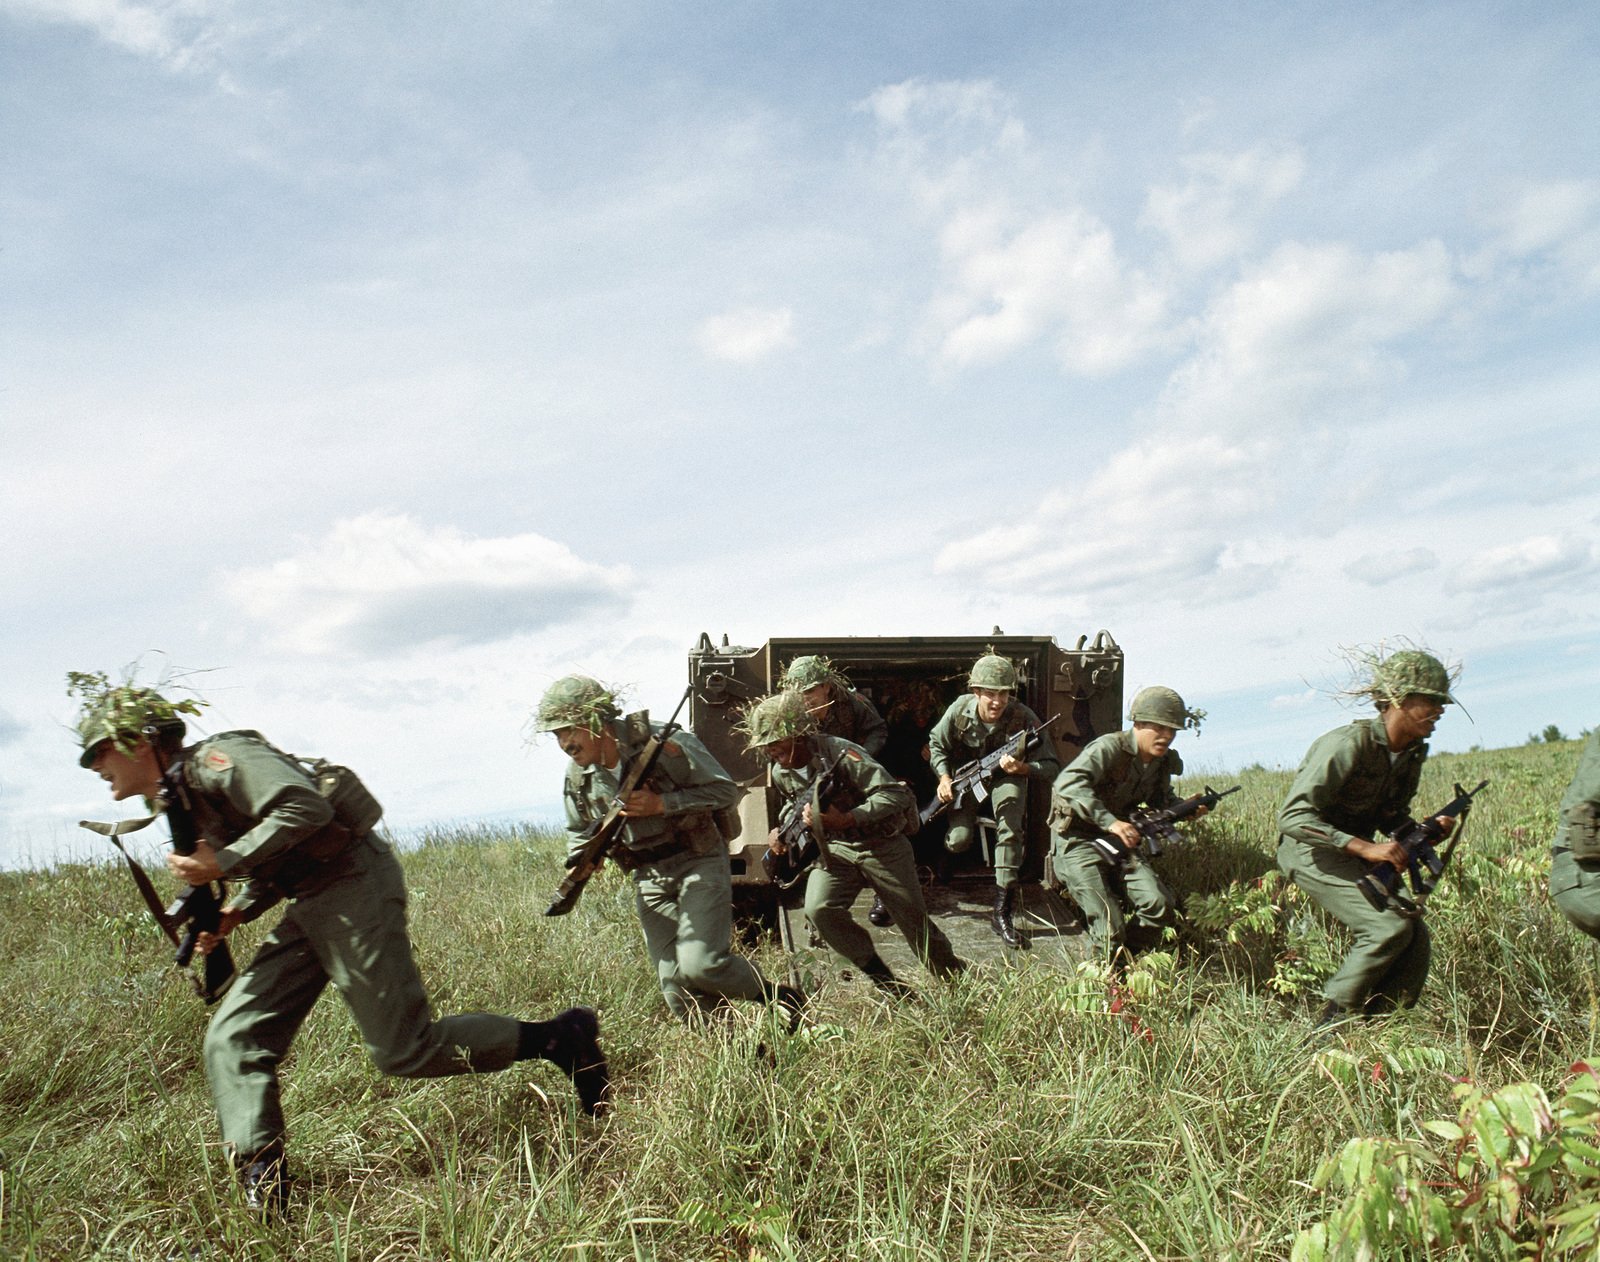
pixel 576 701
pixel 808 672
pixel 123 714
pixel 775 718
pixel 1410 671
pixel 993 671
pixel 1165 707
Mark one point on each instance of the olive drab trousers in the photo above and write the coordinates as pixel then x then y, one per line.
pixel 1091 880
pixel 890 868
pixel 1388 962
pixel 1008 798
pixel 351 933
pixel 1575 887
pixel 685 906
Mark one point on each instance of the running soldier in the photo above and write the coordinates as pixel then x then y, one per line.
pixel 837 707
pixel 1575 854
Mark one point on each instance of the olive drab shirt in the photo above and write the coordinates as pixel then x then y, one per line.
pixel 884 802
pixel 1581 803
pixel 257 806
pixel 692 784
pixel 1106 781
pixel 1348 786
pixel 959 737
pixel 856 719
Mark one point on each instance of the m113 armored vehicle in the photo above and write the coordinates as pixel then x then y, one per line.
pixel 911 680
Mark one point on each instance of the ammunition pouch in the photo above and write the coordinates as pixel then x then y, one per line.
pixel 1583 833
pixel 311 866
pixel 728 823
pixel 629 858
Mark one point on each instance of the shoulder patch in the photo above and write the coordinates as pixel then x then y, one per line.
pixel 673 748
pixel 853 755
pixel 216 760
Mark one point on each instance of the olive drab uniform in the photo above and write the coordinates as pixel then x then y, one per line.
pixel 854 718
pixel 1097 789
pixel 959 737
pixel 1575 854
pixel 679 860
pixel 1352 785
pixel 346 924
pixel 874 852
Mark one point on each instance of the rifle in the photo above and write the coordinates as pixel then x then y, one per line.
pixel 601 837
pixel 1424 865
pixel 195 911
pixel 1158 827
pixel 974 777
pixel 801 845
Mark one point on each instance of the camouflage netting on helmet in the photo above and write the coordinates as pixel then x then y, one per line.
pixel 576 701
pixel 1165 707
pixel 775 718
pixel 808 672
pixel 993 671
pixel 122 713
pixel 1386 677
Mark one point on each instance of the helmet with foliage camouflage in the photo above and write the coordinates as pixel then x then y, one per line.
pixel 1163 706
pixel 776 718
pixel 1409 671
pixel 123 713
pixel 808 672
pixel 576 701
pixel 993 671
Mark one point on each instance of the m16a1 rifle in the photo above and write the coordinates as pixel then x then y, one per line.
pixel 601 837
pixel 973 778
pixel 1157 828
pixel 198 909
pixel 1160 826
pixel 1424 864
pixel 800 843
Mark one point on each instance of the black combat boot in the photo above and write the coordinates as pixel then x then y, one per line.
pixel 884 979
pixel 791 999
pixel 1333 1015
pixel 879 915
pixel 571 1042
pixel 1005 902
pixel 265 1181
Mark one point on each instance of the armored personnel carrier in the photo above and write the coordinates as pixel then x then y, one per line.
pixel 911 680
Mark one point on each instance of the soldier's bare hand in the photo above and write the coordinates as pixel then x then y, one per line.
pixel 1447 824
pixel 196 868
pixel 642 803
pixel 947 788
pixel 774 844
pixel 1201 812
pixel 226 924
pixel 1378 852
pixel 1126 833
pixel 1013 766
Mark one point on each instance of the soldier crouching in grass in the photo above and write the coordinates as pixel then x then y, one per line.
pixel 979 723
pixel 1089 808
pixel 674 844
pixel 255 814
pixel 1355 782
pixel 1575 854
pixel 863 839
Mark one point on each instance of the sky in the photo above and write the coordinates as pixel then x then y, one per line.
pixel 367 367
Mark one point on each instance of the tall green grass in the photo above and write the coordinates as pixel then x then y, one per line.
pixel 1008 1116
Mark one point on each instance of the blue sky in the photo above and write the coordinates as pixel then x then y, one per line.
pixel 387 367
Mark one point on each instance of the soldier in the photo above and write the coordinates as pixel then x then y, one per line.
pixel 1092 797
pixel 674 844
pixel 840 711
pixel 864 841
pixel 1355 781
pixel 837 707
pixel 1575 855
pixel 977 724
pixel 258 816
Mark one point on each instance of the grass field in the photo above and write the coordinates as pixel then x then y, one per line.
pixel 1009 1116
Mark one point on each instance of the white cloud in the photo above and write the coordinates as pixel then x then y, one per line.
pixel 178 34
pixel 1057 273
pixel 383 583
pixel 1295 700
pixel 944 139
pixel 748 334
pixel 1377 568
pixel 1533 560
pixel 1558 220
pixel 1212 216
